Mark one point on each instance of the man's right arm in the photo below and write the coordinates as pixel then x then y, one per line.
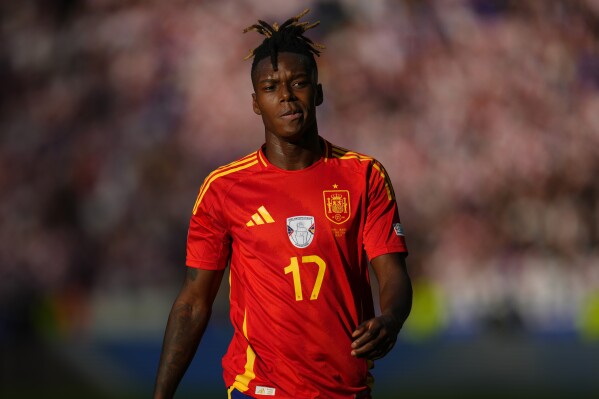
pixel 186 324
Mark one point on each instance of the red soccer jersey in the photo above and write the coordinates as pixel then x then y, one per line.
pixel 298 244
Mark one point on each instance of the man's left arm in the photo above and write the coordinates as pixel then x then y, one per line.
pixel 374 338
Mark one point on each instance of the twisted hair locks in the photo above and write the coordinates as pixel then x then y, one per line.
pixel 288 37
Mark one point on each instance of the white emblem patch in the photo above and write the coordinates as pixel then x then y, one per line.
pixel 398 229
pixel 300 230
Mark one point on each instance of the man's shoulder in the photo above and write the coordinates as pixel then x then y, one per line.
pixel 235 170
pixel 350 158
pixel 221 179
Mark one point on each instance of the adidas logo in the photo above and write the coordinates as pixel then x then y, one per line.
pixel 260 217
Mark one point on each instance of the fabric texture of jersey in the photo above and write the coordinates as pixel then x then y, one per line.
pixel 298 243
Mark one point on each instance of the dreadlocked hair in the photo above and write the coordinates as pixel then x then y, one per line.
pixel 288 37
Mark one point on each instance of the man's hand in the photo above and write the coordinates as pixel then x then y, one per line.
pixel 374 338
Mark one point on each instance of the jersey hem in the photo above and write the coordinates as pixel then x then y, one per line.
pixel 198 264
pixel 386 250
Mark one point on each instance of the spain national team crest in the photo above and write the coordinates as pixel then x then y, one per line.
pixel 336 205
pixel 300 230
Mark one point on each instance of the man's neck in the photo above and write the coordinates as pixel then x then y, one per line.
pixel 289 155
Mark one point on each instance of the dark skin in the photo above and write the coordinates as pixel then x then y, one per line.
pixel 187 322
pixel 374 338
pixel 286 100
pixel 291 140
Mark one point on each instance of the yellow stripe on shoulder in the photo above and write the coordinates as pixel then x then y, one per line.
pixel 385 176
pixel 342 153
pixel 261 158
pixel 355 156
pixel 233 167
pixel 249 157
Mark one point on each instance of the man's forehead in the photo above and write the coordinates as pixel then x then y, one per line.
pixel 292 62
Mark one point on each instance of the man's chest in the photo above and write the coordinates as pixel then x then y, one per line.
pixel 296 212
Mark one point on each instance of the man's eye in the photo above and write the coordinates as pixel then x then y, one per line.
pixel 300 84
pixel 268 88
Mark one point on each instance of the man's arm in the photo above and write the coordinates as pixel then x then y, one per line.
pixel 374 338
pixel 186 324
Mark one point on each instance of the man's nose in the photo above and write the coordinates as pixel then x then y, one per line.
pixel 287 93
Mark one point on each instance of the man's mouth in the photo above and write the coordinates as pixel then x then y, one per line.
pixel 292 114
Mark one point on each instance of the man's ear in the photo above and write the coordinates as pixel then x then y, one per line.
pixel 319 95
pixel 255 105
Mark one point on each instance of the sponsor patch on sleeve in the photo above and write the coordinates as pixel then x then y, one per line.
pixel 267 391
pixel 398 229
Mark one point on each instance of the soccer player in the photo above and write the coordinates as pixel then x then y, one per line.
pixel 298 221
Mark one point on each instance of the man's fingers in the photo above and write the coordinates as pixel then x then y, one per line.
pixel 361 329
pixel 372 341
pixel 366 342
pixel 364 333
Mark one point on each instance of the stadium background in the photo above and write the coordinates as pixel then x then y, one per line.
pixel 484 112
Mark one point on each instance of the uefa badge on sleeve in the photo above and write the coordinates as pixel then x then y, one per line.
pixel 398 229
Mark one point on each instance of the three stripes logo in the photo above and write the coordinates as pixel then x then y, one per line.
pixel 260 217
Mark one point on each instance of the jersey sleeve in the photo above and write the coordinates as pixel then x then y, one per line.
pixel 208 239
pixel 383 232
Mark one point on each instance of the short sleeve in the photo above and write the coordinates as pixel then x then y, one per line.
pixel 383 232
pixel 208 240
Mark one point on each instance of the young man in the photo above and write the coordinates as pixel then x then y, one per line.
pixel 298 221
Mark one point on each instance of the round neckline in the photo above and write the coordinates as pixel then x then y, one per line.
pixel 268 165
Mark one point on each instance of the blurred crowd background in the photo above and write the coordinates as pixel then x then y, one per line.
pixel 484 112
